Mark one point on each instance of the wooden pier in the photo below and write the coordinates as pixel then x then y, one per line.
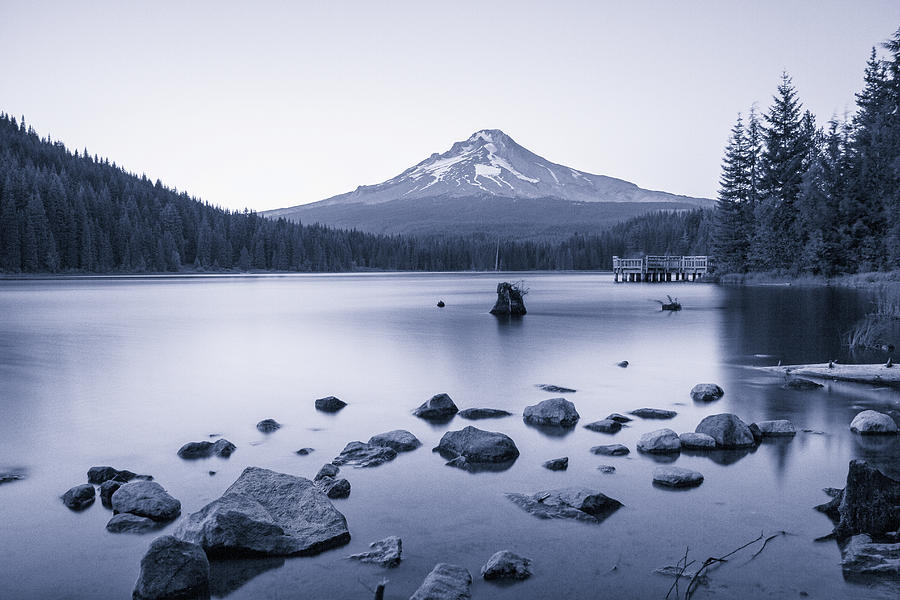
pixel 660 268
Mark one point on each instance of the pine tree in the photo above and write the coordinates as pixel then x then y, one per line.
pixel 731 237
pixel 10 251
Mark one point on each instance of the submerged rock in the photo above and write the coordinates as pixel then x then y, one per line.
pixel 555 389
pixel 483 413
pixel 364 455
pixel 265 512
pixel 870 503
pixel 872 422
pixel 330 404
pixel 145 499
pixel 777 428
pixel 860 556
pixel 268 425
pixel 398 440
pixel 581 504
pixel 129 523
pixel 697 441
pixel 384 553
pixel 80 496
pixel 676 477
pixel 107 489
pixel 654 413
pixel 604 426
pixel 798 383
pixel 557 464
pixel 728 430
pixel 98 475
pixel 611 450
pixel 172 569
pixel 557 412
pixel 509 300
pixel 506 565
pixel 661 441
pixel 445 582
pixel 477 446
pixel 438 408
pixel 204 449
pixel 706 392
pixel 619 418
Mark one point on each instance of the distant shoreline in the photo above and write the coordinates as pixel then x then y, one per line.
pixel 856 280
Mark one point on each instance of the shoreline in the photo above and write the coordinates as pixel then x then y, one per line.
pixel 871 279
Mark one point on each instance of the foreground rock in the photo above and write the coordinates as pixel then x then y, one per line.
pixel 611 450
pixel 872 422
pixel 661 441
pixel 697 441
pixel 557 412
pixel 398 440
pixel 555 389
pixel 798 383
pixel 483 413
pixel 776 428
pixel 268 425
pixel 509 300
pixel 506 565
pixel 557 464
pixel 364 455
pixel 145 499
pixel 384 553
pixel 334 488
pixel 728 430
pixel 581 504
pixel 654 413
pixel 604 426
pixel 98 475
pixel 204 449
pixel 172 569
pixel 476 447
pixel 870 503
pixel 445 582
pixel 127 522
pixel 330 404
pixel 80 496
pixel 676 477
pixel 438 408
pixel 706 392
pixel 265 512
pixel 861 556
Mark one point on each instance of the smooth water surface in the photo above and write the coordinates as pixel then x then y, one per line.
pixel 122 372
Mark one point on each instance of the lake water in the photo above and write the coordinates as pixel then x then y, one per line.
pixel 122 372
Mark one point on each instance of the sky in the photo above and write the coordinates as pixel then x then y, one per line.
pixel 269 104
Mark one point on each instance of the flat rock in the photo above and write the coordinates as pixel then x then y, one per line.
pixel 555 389
pixel 445 582
pixel 330 404
pixel 661 441
pixel 205 449
pixel 706 392
pixel 860 556
pixel 697 441
pixel 728 430
pixel 872 422
pixel 776 428
pixel 268 425
pixel 483 413
pixel 611 450
pixel 438 408
pixel 506 565
pixel 676 477
pixel 270 513
pixel 798 383
pixel 557 412
pixel 98 475
pixel 399 440
pixel 172 569
pixel 145 499
pixel 557 464
pixel 107 489
pixel 80 496
pixel 384 553
pixel 360 454
pixel 619 418
pixel 577 503
pixel 305 451
pixel 129 523
pixel 477 446
pixel 604 426
pixel 654 413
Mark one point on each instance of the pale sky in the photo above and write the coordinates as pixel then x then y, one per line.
pixel 272 104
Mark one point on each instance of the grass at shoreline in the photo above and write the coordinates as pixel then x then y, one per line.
pixel 889 279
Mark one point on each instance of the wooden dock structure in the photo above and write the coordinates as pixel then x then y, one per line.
pixel 660 268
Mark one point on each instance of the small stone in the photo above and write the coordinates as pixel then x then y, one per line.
pixel 80 496
pixel 623 364
pixel 129 523
pixel 399 440
pixel 555 389
pixel 611 450
pixel 107 489
pixel 619 418
pixel 173 569
pixel 483 413
pixel 798 383
pixel 706 392
pixel 606 469
pixel 604 426
pixel 654 413
pixel 268 425
pixel 327 470
pixel 364 455
pixel 676 477
pixel 557 412
pixel 439 407
pixel 506 565
pixel 145 499
pixel 98 475
pixel 441 304
pixel 330 404
pixel 384 553
pixel 305 451
pixel 661 441
pixel 205 449
pixel 557 464
pixel 334 488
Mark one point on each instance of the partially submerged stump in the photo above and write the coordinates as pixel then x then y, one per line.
pixel 509 299
pixel 870 503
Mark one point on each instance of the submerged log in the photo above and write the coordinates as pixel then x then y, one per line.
pixel 878 374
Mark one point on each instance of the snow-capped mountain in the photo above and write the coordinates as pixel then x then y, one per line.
pixel 480 174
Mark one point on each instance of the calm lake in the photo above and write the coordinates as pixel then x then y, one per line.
pixel 122 372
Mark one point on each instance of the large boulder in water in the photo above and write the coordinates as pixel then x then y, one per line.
pixel 330 404
pixel 557 412
pixel 476 446
pixel 265 512
pixel 445 582
pixel 80 496
pixel 506 565
pixel 398 440
pixel 706 392
pixel 870 503
pixel 661 441
pixel 145 499
pixel 872 422
pixel 172 569
pixel 509 300
pixel 439 407
pixel 728 430
pixel 364 455
pixel 577 503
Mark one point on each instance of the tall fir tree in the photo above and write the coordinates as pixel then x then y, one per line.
pixel 731 233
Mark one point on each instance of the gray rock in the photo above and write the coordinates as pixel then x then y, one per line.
pixel 483 413
pixel 327 470
pixel 129 523
pixel 205 449
pixel 334 488
pixel 619 418
pixel 173 569
pixel 676 477
pixel 611 450
pixel 606 469
pixel 399 440
pixel 509 300
pixel 798 383
pixel 756 432
pixel 697 441
pixel 728 430
pixel 80 496
pixel 557 412
pixel 654 413
pixel 270 513
pixel 506 565
pixel 330 404
pixel 777 428
pixel 557 464
pixel 581 504
pixel 98 475
pixel 860 556
pixel 604 426
pixel 384 553
pixel 268 425
pixel 107 489
pixel 555 389
pixel 477 446
pixel 438 408
pixel 623 364
pixel 706 392
pixel 12 475
pixel 364 455
pixel 871 422
pixel 445 582
pixel 661 441
pixel 870 503
pixel 145 499
pixel 305 451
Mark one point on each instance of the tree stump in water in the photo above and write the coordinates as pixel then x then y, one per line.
pixel 509 300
